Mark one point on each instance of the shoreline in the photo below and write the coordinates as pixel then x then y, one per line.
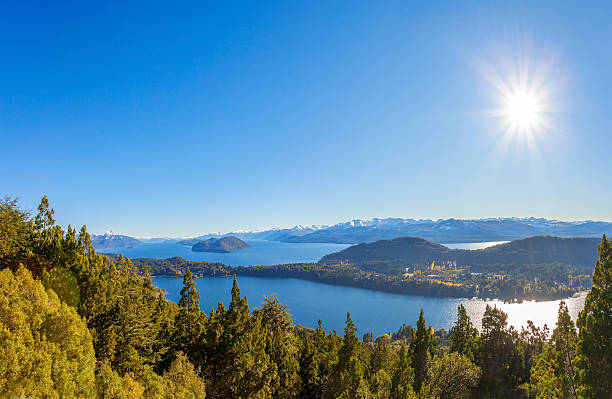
pixel 389 290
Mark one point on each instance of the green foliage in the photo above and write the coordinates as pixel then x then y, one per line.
pixel 64 284
pixel 555 373
pixel 45 347
pixel 16 232
pixel 350 369
pixel 595 326
pixel 190 298
pixel 235 361
pixel 182 380
pixel 109 384
pixel 452 376
pixel 64 308
pixel 423 348
pixel 281 347
pixel 463 334
pixel 189 322
pixel 496 354
pixel 318 359
pixel 403 376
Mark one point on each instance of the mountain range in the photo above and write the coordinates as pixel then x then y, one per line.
pixel 111 239
pixel 439 231
pixel 452 230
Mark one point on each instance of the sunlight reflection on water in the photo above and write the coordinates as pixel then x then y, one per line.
pixel 539 313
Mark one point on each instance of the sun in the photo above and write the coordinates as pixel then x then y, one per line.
pixel 522 110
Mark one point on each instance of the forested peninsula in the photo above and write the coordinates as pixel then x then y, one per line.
pixel 75 323
pixel 536 268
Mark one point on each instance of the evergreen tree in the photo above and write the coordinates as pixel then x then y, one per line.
pixel 595 326
pixel 462 334
pixel 318 360
pixel 403 376
pixel 497 355
pixel 349 373
pixel 281 347
pixel 189 322
pixel 44 218
pixel 234 361
pixel 16 235
pixel 422 346
pixel 554 374
pixel 190 298
pixel 182 380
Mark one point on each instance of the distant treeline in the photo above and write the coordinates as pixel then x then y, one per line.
pixel 510 289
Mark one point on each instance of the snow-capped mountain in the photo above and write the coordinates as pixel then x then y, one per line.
pixel 369 230
pixel 452 230
pixel 110 239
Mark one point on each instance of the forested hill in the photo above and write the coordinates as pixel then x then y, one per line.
pixel 410 251
pixel 221 245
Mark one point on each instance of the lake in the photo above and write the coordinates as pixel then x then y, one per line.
pixel 372 311
pixel 259 252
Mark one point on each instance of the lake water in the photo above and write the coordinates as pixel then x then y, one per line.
pixel 372 311
pixel 259 253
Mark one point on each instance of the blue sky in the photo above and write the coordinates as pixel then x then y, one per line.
pixel 157 119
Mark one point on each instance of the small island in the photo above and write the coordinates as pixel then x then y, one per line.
pixel 221 245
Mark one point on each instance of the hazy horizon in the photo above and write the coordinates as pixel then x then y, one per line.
pixel 273 227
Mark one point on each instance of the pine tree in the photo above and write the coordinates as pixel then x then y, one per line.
pixel 462 333
pixel 234 358
pixel 554 373
pixel 348 381
pixel 497 355
pixel 281 347
pixel 189 320
pixel 44 219
pixel 422 346
pixel 403 376
pixel 595 326
pixel 190 298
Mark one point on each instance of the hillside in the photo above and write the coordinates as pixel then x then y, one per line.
pixel 221 245
pixel 389 256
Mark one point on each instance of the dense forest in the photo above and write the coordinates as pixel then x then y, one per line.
pixel 74 323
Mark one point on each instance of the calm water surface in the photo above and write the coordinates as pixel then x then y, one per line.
pixel 259 253
pixel 373 311
pixel 308 302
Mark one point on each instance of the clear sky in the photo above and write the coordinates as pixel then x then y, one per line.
pixel 177 118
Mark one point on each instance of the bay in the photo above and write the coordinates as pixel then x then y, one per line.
pixel 259 252
pixel 372 311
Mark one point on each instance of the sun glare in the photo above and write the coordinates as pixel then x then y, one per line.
pixel 523 89
pixel 522 110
